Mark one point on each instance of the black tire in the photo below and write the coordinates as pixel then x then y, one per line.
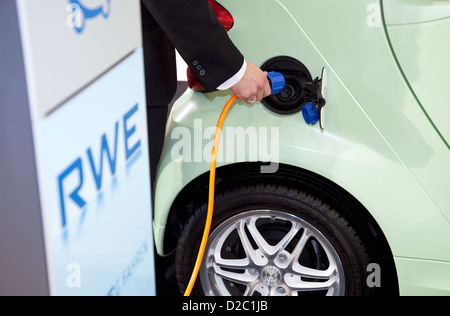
pixel 340 239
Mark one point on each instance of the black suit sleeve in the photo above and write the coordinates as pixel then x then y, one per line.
pixel 194 30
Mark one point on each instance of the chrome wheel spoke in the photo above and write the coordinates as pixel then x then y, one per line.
pixel 296 283
pixel 241 278
pixel 314 273
pixel 298 250
pixel 265 248
pixel 255 256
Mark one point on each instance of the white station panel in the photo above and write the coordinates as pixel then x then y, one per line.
pixel 69 43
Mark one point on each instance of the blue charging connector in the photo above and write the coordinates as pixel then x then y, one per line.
pixel 277 81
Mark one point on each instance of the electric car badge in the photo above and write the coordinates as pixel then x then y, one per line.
pixel 80 13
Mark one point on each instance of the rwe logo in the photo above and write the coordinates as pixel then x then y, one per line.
pixel 88 170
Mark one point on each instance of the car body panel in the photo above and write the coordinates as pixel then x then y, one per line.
pixel 380 147
pixel 422 48
pixel 423 277
pixel 401 12
pixel 373 68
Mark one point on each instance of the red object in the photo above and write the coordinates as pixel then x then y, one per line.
pixel 223 15
pixel 227 21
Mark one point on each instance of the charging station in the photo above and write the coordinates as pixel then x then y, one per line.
pixel 76 213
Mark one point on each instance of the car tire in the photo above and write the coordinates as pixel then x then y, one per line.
pixel 270 239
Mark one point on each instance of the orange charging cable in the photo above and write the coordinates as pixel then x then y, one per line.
pixel 277 83
pixel 212 185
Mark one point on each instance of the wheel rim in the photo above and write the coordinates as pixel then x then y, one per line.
pixel 270 253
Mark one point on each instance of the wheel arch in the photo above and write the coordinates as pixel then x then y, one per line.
pixel 195 193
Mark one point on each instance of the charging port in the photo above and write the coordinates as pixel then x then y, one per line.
pixel 293 97
pixel 299 90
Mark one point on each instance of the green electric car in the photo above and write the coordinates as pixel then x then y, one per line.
pixel 355 204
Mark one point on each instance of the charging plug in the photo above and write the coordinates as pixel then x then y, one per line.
pixel 277 81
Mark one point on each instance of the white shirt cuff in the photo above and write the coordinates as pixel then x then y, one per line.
pixel 235 79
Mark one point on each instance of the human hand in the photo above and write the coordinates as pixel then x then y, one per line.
pixel 254 85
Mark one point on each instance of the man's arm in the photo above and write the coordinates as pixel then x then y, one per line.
pixel 200 38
